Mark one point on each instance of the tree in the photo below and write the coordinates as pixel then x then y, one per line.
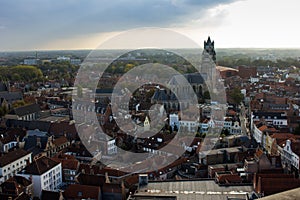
pixel 18 103
pixel 236 96
pixel 206 95
pixel 225 132
pixel 3 111
pixel 175 128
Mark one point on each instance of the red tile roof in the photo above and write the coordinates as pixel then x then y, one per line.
pixel 60 141
pixel 67 161
pixel 40 166
pixel 10 157
pixel 77 191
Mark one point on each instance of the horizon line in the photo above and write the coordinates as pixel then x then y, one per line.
pixel 119 49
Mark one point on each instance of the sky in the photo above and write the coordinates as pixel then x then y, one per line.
pixel 84 24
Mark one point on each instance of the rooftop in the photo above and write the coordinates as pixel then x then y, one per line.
pixel 39 166
pixel 194 189
pixel 10 157
pixel 287 195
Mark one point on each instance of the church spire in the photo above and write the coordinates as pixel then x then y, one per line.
pixel 209 47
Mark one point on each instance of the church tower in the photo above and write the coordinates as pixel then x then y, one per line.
pixel 209 47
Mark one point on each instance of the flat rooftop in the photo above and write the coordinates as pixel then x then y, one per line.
pixel 193 189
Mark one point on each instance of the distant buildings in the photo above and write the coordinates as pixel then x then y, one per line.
pixel 31 61
pixel 27 113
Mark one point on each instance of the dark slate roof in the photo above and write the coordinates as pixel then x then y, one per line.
pixel 278 115
pixel 93 180
pixel 50 195
pixel 12 156
pixel 31 142
pixel 30 125
pixel 252 144
pixel 3 87
pixel 39 166
pixel 25 110
pixel 161 95
pixel 11 96
pixel 193 78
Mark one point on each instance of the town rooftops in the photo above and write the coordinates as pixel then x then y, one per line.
pixel 82 192
pixel 39 166
pixel 67 161
pixel 13 186
pixel 50 195
pixel 11 96
pixel 10 157
pixel 25 110
pixel 30 125
pixel 60 141
pixel 287 195
pixel 194 189
pixel 272 115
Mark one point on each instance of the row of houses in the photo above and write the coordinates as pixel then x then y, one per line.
pixel 228 123
pixel 270 130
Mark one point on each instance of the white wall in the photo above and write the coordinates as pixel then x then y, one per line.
pixel 14 167
pixel 46 181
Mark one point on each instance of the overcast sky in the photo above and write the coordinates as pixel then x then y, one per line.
pixel 84 24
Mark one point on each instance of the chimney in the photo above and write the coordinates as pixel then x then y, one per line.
pixel 38 142
pixel 273 161
pixel 106 178
pixel 123 190
pixel 46 162
pixel 27 162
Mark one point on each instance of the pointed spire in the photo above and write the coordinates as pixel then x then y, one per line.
pixel 208 40
pixel 209 47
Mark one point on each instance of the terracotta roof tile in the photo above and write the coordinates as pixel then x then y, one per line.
pixel 9 157
pixel 60 141
pixel 77 191
pixel 40 166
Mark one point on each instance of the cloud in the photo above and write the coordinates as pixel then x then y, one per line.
pixel 30 22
